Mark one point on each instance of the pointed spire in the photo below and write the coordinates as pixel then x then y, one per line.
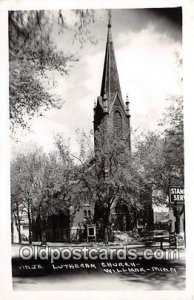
pixel 110 79
pixel 109 35
pixel 109 17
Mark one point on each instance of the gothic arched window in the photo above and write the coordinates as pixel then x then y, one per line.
pixel 117 122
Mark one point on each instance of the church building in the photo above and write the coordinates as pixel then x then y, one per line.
pixel 112 116
pixel 112 120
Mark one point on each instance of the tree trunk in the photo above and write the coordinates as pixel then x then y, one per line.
pixel 106 240
pixel 17 223
pixel 177 224
pixel 12 230
pixel 107 228
pixel 18 226
pixel 30 225
pixel 177 215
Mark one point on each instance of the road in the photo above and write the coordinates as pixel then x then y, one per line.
pixel 124 274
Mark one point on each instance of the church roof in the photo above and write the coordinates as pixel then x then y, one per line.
pixel 110 79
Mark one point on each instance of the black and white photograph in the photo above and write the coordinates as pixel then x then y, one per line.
pixel 97 149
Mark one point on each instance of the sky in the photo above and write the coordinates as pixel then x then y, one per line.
pixel 145 42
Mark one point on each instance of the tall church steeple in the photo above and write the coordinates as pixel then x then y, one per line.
pixel 110 79
pixel 110 110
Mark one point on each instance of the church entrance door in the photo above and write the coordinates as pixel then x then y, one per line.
pixel 122 217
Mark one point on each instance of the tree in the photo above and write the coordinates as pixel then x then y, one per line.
pixel 48 184
pixel 174 140
pixel 107 177
pixel 33 54
pixel 40 187
pixel 16 204
pixel 27 180
pixel 20 204
pixel 159 156
pixel 148 160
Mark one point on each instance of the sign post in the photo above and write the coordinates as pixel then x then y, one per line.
pixel 177 195
pixel 91 232
pixel 177 204
pixel 172 240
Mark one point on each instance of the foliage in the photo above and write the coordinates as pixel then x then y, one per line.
pixel 39 186
pixel 159 157
pixel 33 54
pixel 108 177
pixel 174 140
pixel 45 184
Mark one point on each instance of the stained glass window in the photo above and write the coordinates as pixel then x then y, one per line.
pixel 117 122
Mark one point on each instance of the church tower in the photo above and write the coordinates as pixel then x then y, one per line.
pixel 112 124
pixel 110 111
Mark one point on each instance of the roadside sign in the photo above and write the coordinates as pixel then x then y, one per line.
pixel 176 195
pixel 91 232
pixel 172 239
pixel 180 242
